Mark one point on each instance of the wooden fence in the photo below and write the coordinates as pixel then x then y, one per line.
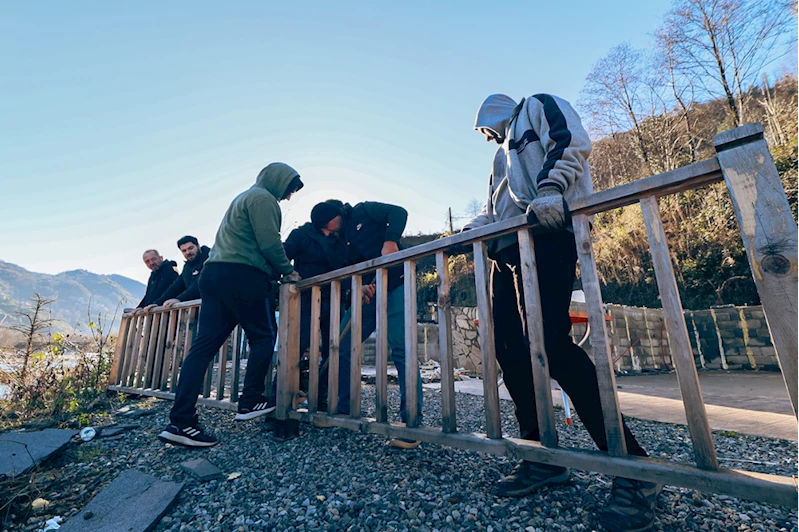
pixel 151 347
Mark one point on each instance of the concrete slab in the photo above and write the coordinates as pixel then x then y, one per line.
pixel 202 469
pixel 21 451
pixel 134 502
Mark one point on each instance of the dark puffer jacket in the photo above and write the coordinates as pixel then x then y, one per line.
pixel 158 282
pixel 185 287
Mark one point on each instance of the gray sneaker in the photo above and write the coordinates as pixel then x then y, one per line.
pixel 527 477
pixel 631 506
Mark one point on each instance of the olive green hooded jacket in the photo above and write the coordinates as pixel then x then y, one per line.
pixel 250 231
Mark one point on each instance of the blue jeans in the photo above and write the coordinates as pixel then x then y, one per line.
pixel 396 345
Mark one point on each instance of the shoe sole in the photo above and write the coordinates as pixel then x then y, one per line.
pixel 397 444
pixel 255 414
pixel 168 437
pixel 560 479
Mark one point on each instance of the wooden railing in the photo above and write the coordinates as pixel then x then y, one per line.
pixel 151 347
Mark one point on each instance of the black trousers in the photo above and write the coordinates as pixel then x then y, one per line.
pixel 305 332
pixel 231 294
pixel 556 258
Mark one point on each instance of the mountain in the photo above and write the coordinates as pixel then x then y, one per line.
pixel 72 290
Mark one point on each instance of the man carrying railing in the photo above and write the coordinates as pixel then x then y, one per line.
pixel 542 159
pixel 235 288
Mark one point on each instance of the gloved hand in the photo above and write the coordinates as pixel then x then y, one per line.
pixel 290 278
pixel 548 208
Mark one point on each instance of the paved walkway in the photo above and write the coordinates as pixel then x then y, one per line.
pixel 746 402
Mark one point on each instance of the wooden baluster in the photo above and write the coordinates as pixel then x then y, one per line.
pixel 288 366
pixel 152 344
pixel 133 360
pixel 315 349
pixel 681 353
pixel 222 373
pixel 119 350
pixel 446 360
pixel 487 347
pixel 411 347
pixel 381 346
pixel 356 346
pixel 238 338
pixel 335 341
pixel 169 348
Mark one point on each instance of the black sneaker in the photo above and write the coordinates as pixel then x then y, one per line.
pixel 191 436
pixel 527 477
pixel 631 507
pixel 261 408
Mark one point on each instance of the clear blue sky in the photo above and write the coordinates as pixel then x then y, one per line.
pixel 127 125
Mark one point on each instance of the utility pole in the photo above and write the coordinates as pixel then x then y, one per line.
pixel 451 229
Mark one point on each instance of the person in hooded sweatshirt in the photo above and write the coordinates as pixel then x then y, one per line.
pixel 372 230
pixel 542 162
pixel 163 273
pixel 316 248
pixel 185 287
pixel 235 289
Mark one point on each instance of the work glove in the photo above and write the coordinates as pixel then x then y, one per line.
pixel 291 278
pixel 549 209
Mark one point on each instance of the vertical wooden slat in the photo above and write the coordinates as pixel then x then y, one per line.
pixel 169 347
pixel 606 377
pixel 356 346
pixel 209 373
pixel 155 379
pixel 181 345
pixel 487 347
pixel 315 348
pixel 288 370
pixel 236 364
pixel 681 353
pixel 222 373
pixel 145 381
pixel 535 335
pixel 141 354
pixel 335 341
pixel 119 350
pixel 448 415
pixel 381 346
pixel 769 236
pixel 134 354
pixel 411 347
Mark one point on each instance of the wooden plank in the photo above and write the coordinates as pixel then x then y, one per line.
pixel 236 364
pixel 487 347
pixel 535 335
pixel 128 351
pixel 335 341
pixel 381 346
pixel 681 353
pixel 180 346
pixel 356 346
pixel 144 349
pixel 169 348
pixel 119 350
pixel 769 236
pixel 446 359
pixel 315 349
pixel 134 502
pixel 411 347
pixel 146 379
pixel 288 366
pixel 133 360
pixel 170 396
pixel 606 377
pixel 222 372
pixel 155 379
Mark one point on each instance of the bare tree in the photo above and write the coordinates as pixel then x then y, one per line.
pixel 32 323
pixel 473 208
pixel 725 44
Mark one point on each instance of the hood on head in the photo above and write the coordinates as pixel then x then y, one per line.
pixel 495 114
pixel 276 178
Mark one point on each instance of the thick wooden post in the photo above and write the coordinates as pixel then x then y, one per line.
pixel 448 415
pixel 535 336
pixel 606 377
pixel 381 346
pixel 119 350
pixel 411 346
pixel 681 353
pixel 487 347
pixel 315 348
pixel 288 355
pixel 769 235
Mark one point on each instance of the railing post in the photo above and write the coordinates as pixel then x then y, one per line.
pixel 356 346
pixel 335 342
pixel 487 347
pixel 769 235
pixel 315 348
pixel 381 346
pixel 411 346
pixel 169 348
pixel 448 414
pixel 288 358
pixel 119 350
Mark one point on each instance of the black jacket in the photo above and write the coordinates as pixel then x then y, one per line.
pixel 314 254
pixel 185 287
pixel 159 281
pixel 367 226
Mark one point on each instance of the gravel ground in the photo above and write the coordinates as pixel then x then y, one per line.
pixel 334 479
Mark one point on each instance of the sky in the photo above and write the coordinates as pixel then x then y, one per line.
pixel 124 126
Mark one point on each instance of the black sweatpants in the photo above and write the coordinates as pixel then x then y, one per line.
pixel 231 294
pixel 556 258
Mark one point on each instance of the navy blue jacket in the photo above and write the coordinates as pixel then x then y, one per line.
pixel 313 253
pixel 185 287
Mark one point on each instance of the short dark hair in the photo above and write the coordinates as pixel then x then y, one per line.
pixel 186 239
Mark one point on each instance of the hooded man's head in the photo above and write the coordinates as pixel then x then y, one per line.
pixel 493 117
pixel 280 179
